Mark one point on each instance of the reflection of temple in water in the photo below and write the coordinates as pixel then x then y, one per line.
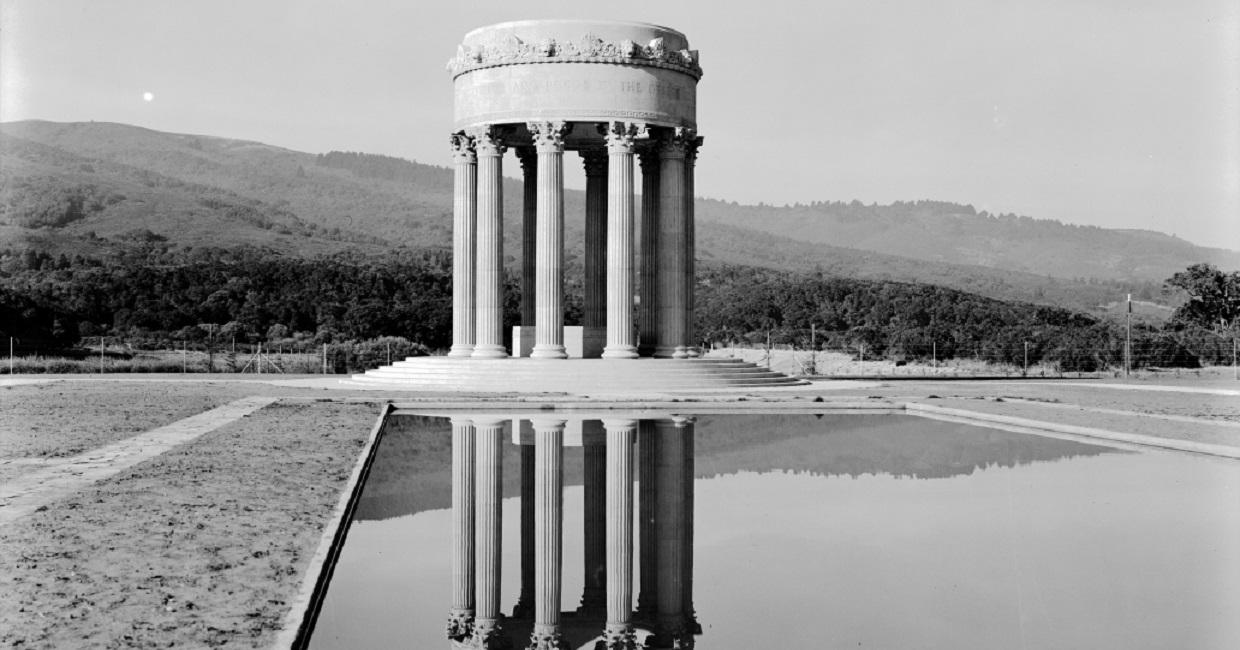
pixel 657 453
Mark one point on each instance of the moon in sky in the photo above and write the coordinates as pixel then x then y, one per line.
pixel 148 96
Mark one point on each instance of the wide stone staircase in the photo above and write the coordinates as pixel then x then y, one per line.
pixel 571 375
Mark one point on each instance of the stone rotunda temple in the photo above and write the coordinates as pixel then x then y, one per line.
pixel 623 96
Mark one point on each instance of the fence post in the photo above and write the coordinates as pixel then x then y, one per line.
pixel 1025 370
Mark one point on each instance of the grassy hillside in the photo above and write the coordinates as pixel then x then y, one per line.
pixel 81 187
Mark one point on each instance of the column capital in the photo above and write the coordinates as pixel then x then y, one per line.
pixel 462 148
pixel 528 158
pixel 488 140
pixel 620 136
pixel 619 637
pixel 594 161
pixel 548 136
pixel 548 424
pixel 676 142
pixel 691 149
pixel 460 624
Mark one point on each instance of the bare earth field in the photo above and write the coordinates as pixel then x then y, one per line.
pixel 206 544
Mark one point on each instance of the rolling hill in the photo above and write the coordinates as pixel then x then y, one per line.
pixel 80 188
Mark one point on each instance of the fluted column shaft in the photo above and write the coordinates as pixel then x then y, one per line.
pixel 669 529
pixel 621 434
pixel 688 435
pixel 525 602
pixel 620 147
pixel 490 439
pixel 594 524
pixel 489 295
pixel 594 299
pixel 548 525
pixel 647 598
pixel 648 287
pixel 690 248
pixel 549 290
pixel 461 614
pixel 670 315
pixel 464 218
pixel 529 221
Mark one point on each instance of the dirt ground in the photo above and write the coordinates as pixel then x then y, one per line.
pixel 206 544
pixel 202 546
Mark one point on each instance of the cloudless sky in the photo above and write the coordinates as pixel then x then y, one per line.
pixel 1116 113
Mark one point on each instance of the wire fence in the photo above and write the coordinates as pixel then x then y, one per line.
pixel 1022 360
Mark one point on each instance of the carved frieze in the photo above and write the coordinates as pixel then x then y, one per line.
pixel 511 49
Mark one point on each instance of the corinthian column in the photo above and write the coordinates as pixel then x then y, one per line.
pixel 620 343
pixel 670 315
pixel 594 304
pixel 464 217
pixel 618 633
pixel 490 434
pixel 594 528
pixel 490 280
pixel 548 521
pixel 549 327
pixel 648 288
pixel 461 614
pixel 690 247
pixel 648 596
pixel 525 602
pixel 529 216
pixel 669 531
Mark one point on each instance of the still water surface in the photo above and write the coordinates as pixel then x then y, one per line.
pixel 846 531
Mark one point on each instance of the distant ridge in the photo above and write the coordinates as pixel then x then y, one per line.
pixel 82 187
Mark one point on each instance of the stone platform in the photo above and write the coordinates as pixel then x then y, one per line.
pixel 571 375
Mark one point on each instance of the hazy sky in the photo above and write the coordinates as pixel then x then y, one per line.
pixel 1117 113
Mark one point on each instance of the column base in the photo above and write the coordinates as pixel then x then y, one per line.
pixel 461 350
pixel 619 637
pixel 546 637
pixel 488 633
pixel 546 351
pixel 682 352
pixel 694 352
pixel 620 352
pixel 665 352
pixel 460 624
pixel 486 351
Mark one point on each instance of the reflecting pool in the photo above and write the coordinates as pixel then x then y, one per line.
pixel 797 531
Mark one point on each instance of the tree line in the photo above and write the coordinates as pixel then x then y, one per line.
pixel 152 295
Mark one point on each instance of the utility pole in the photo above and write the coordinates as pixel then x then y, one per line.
pixel 813 347
pixel 1128 340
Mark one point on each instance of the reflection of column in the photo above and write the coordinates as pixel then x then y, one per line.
pixel 548 520
pixel 670 315
pixel 529 216
pixel 549 321
pixel 461 615
pixel 620 344
pixel 487 620
pixel 647 598
pixel 490 252
pixel 618 632
pixel 464 217
pixel 594 480
pixel 690 468
pixel 594 304
pixel 647 330
pixel 690 247
pixel 525 602
pixel 669 531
